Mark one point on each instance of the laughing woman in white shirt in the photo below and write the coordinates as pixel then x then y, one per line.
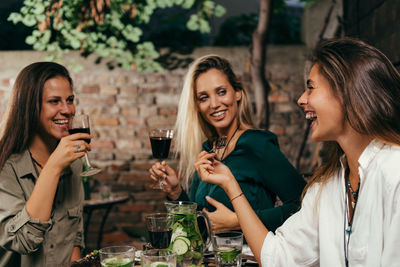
pixel 350 214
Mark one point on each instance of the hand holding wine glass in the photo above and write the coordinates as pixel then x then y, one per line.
pixel 170 181
pixel 160 140
pixel 80 124
pixel 66 151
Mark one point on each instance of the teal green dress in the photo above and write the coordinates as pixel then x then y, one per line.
pixel 262 172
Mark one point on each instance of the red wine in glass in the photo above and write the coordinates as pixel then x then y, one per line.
pixel 80 130
pixel 160 147
pixel 160 231
pixel 160 140
pixel 80 124
pixel 160 238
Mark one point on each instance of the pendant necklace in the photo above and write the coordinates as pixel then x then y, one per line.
pixel 353 193
pixel 350 190
pixel 227 144
pixel 221 143
pixel 348 229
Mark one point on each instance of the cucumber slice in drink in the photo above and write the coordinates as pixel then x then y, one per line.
pixel 180 246
pixel 187 241
pixel 159 264
pixel 117 262
pixel 177 231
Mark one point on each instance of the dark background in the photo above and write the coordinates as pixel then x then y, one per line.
pixel 376 22
pixel 167 27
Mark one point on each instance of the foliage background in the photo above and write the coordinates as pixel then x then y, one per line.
pixel 135 41
pixel 111 29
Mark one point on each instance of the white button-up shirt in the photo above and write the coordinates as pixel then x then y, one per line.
pixel 315 235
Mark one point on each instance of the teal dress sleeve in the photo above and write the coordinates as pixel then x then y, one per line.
pixel 278 178
pixel 263 173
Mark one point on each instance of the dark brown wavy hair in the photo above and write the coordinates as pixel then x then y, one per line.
pixel 23 115
pixel 368 85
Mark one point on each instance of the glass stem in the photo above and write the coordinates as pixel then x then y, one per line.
pixel 87 161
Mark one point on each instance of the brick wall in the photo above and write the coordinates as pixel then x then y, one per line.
pixel 123 105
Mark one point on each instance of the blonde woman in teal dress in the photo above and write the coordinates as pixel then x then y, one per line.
pixel 214 103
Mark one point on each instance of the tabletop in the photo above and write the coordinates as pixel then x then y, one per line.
pixel 94 261
pixel 97 202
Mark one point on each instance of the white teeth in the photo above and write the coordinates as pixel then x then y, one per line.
pixel 61 121
pixel 311 116
pixel 218 114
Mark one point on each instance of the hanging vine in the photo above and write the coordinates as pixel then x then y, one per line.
pixel 110 29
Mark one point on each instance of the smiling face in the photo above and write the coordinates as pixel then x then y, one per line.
pixel 323 108
pixel 57 108
pixel 217 101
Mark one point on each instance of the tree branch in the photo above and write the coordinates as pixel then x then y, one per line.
pixel 258 55
pixel 327 19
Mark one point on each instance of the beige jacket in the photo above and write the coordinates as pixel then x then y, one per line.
pixel 28 242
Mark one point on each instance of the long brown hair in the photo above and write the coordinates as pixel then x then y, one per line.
pixel 368 85
pixel 21 122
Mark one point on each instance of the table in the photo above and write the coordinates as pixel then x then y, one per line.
pixel 95 261
pixel 247 260
pixel 94 204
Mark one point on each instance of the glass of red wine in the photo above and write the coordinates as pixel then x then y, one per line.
pixel 160 140
pixel 80 124
pixel 159 230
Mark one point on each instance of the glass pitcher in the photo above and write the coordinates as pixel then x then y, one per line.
pixel 186 240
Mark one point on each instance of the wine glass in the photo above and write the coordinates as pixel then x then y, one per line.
pixel 160 140
pixel 80 124
pixel 160 231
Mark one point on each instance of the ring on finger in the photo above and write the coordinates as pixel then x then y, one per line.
pixel 78 148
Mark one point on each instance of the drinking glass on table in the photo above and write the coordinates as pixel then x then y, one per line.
pixel 105 191
pixel 160 140
pixel 117 256
pixel 80 124
pixel 158 258
pixel 159 228
pixel 227 247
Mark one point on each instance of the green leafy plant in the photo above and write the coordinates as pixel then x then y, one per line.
pixel 109 28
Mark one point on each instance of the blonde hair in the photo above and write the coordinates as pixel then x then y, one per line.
pixel 191 129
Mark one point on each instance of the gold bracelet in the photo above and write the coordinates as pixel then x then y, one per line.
pixel 241 194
